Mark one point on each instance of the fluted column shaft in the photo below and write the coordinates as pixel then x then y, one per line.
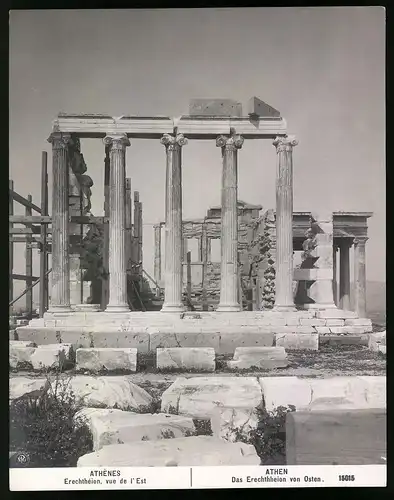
pixel 284 223
pixel 117 223
pixel 229 296
pixel 60 294
pixel 157 263
pixel 334 273
pixel 360 281
pixel 344 275
pixel 173 275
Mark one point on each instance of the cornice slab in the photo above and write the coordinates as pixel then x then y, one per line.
pixel 101 125
pixel 198 127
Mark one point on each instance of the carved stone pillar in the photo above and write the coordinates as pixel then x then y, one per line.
pixel 204 259
pixel 157 263
pixel 105 280
pixel 60 295
pixel 229 297
pixel 344 274
pixel 284 223
pixel 117 223
pixel 334 272
pixel 173 276
pixel 360 283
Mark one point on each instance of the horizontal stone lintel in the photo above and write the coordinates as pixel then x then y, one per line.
pixel 154 127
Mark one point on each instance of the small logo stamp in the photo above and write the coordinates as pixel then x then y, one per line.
pixel 22 458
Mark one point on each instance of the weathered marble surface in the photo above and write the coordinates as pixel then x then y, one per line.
pixel 182 452
pixel 109 359
pixel 186 358
pixel 259 357
pixel 197 397
pixel 111 426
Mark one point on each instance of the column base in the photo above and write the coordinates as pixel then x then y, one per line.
pixel 344 304
pixel 59 309
pixel 229 308
pixel 283 308
pixel 316 305
pixel 117 308
pixel 173 308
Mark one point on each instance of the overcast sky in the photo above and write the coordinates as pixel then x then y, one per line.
pixel 323 68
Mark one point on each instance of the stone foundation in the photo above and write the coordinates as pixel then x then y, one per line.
pixel 222 331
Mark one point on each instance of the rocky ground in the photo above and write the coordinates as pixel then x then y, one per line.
pixel 329 361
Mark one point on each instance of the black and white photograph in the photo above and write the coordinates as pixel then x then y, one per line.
pixel 197 248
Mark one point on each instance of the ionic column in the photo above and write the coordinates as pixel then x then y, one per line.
pixel 60 295
pixel 344 274
pixel 284 223
pixel 334 273
pixel 360 282
pixel 157 262
pixel 229 297
pixel 117 223
pixel 173 276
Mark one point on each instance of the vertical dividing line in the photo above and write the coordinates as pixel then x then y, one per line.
pixel 29 263
pixel 10 245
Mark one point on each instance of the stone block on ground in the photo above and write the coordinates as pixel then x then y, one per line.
pixel 382 349
pixel 258 357
pixel 375 388
pixel 197 397
pixel 20 356
pixel 22 343
pixel 230 423
pixel 332 403
pixel 25 386
pixel 284 391
pixel 109 392
pixel 361 392
pixel 360 339
pixel 108 359
pixel 215 107
pixel 298 341
pixel 51 356
pixel 186 358
pixel 110 426
pixel 339 437
pixel 181 452
pixel 376 340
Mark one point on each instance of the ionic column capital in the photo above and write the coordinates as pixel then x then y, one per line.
pixel 117 142
pixel 233 142
pixel 360 240
pixel 173 141
pixel 285 143
pixel 60 140
pixel 345 242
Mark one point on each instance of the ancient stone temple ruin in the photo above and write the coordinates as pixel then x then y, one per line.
pixel 276 282
pixel 257 253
